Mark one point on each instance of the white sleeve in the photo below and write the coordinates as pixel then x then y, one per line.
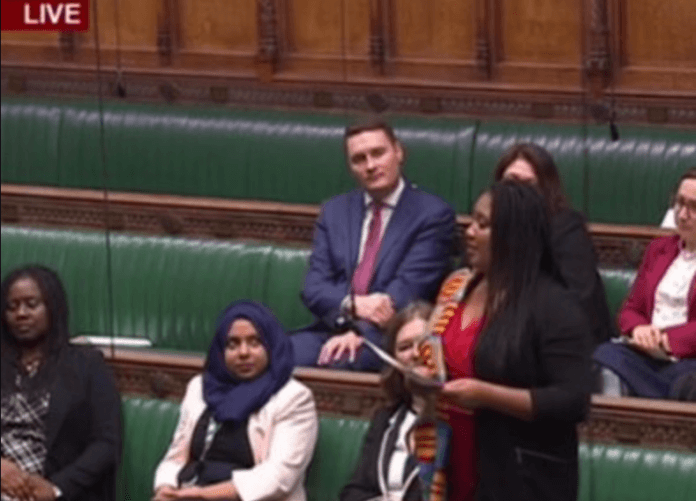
pixel 177 454
pixel 291 447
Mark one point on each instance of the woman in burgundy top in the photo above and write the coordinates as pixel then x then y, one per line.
pixel 658 320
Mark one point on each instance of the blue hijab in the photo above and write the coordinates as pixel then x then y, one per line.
pixel 234 399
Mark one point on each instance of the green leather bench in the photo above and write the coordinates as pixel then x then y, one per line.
pixel 608 472
pixel 298 157
pixel 170 290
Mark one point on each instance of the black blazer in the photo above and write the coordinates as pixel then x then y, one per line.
pixel 575 255
pixel 364 484
pixel 537 460
pixel 83 427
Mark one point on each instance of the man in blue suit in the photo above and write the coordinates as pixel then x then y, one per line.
pixel 375 250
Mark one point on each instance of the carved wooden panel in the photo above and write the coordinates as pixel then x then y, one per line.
pixel 540 42
pixel 433 41
pixel 218 35
pixel 656 44
pixel 315 40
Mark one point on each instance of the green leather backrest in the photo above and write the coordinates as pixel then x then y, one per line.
pixel 607 472
pixel 617 283
pixel 335 456
pixel 628 181
pixel 169 290
pixel 564 142
pixel 618 473
pixel 29 141
pixel 241 154
pixel 148 427
pixel 631 180
pixel 298 157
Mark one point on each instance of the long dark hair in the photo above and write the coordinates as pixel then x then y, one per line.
pixel 520 255
pixel 57 338
pixel 394 384
pixel 544 168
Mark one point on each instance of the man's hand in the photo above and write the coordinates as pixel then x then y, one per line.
pixel 647 337
pixel 376 307
pixel 14 481
pixel 337 346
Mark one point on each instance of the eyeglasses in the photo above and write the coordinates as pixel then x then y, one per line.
pixel 682 203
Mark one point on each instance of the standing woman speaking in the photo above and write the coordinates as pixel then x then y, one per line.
pixel 531 382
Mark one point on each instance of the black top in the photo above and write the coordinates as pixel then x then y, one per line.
pixel 213 460
pixel 83 428
pixel 537 459
pixel 575 256
pixel 364 484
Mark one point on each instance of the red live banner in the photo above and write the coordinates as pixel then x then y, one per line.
pixel 45 15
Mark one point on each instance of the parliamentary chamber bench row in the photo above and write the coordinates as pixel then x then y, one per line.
pixel 168 290
pixel 297 157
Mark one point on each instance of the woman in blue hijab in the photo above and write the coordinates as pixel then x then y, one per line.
pixel 247 429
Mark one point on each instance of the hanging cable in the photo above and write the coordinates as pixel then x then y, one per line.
pixel 105 177
pixel 120 87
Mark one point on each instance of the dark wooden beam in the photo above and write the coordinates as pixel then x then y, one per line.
pixel 617 245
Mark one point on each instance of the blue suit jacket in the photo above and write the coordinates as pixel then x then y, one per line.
pixel 413 259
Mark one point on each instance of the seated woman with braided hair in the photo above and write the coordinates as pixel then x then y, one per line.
pixel 247 429
pixel 60 407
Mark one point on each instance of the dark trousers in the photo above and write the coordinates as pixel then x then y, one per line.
pixel 307 346
pixel 646 376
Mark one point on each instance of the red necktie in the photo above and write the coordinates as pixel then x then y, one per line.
pixel 363 273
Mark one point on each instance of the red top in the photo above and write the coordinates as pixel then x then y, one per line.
pixel 638 308
pixel 458 347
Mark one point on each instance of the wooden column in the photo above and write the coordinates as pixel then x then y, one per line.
pixel 269 46
pixel 598 64
pixel 168 22
pixel 378 38
pixel 484 46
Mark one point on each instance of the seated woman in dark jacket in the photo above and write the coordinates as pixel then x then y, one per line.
pixel 60 406
pixel 532 368
pixel 658 320
pixel 570 241
pixel 387 469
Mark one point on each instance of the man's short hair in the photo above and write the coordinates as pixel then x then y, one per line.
pixel 366 126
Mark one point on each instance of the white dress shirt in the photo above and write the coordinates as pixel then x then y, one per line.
pixel 387 211
pixel 671 306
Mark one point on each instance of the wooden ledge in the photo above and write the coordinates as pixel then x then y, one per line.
pixel 632 421
pixel 617 245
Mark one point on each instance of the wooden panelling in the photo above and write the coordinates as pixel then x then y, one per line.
pixel 432 40
pixel 521 58
pixel 540 42
pixel 43 206
pixel 634 421
pixel 656 44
